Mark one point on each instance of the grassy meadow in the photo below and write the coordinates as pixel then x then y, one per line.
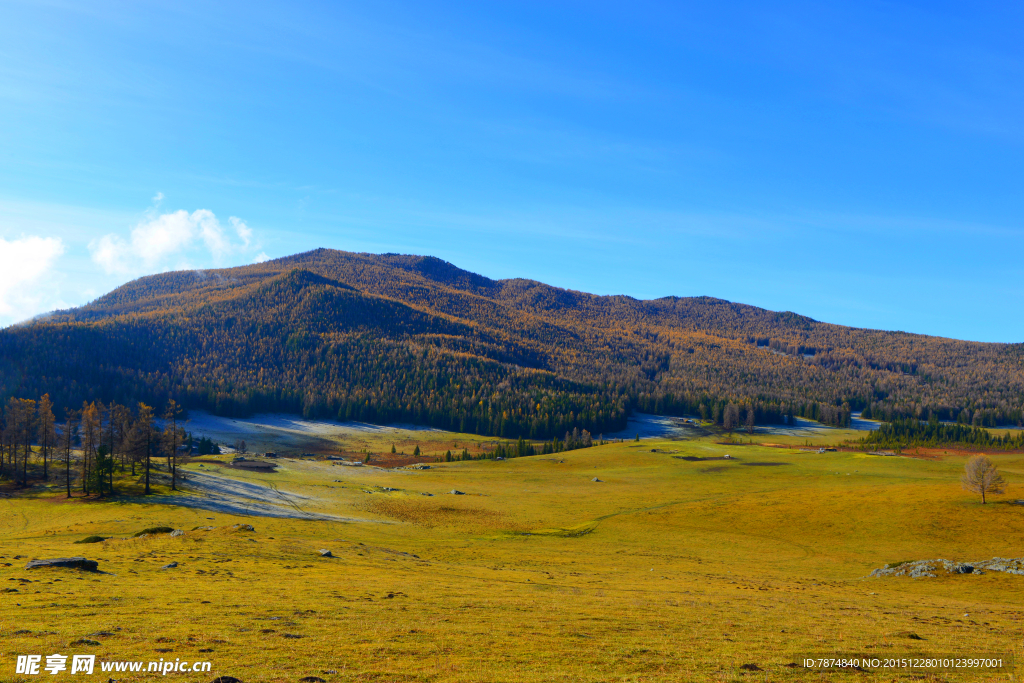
pixel 677 565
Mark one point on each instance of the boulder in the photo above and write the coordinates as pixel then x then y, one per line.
pixel 456 492
pixel 172 565
pixel 177 532
pixel 595 479
pixel 66 562
pixel 324 552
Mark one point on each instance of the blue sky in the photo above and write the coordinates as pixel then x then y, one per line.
pixel 860 163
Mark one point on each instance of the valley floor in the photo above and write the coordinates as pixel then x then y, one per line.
pixel 676 565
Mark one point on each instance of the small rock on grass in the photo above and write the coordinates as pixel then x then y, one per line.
pixel 595 479
pixel 225 679
pixel 172 565
pixel 750 667
pixel 324 552
pixel 312 679
pixel 456 492
pixel 177 532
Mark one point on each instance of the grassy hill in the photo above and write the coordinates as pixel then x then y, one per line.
pixel 677 565
pixel 394 337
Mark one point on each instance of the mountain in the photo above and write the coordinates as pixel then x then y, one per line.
pixel 390 337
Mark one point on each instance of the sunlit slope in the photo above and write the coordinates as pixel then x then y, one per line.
pixel 417 339
pixel 666 569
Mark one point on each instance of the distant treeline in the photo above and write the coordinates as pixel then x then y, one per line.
pixel 903 433
pixel 731 415
pixel 523 448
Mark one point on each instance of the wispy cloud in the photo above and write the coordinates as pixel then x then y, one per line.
pixel 25 288
pixel 160 240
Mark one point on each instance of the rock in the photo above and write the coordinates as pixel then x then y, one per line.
pixel 595 479
pixel 66 562
pixel 172 565
pixel 244 527
pixel 750 667
pixel 388 488
pixel 928 568
pixel 426 494
pixel 325 553
pixel 292 635
pixel 225 679
pixel 177 532
pixel 154 530
pixel 312 679
pixel 456 492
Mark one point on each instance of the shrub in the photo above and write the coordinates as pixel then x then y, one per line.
pixel 92 539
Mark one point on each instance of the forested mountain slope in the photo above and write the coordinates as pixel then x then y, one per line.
pixel 394 337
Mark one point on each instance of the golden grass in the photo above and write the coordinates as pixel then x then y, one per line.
pixel 666 570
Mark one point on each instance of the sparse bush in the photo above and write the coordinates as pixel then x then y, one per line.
pixel 92 539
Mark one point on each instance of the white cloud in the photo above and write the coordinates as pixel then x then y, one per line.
pixel 24 289
pixel 261 257
pixel 243 230
pixel 160 239
pixel 158 197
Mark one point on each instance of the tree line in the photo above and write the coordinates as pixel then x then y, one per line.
pixel 96 440
pixel 903 433
pixel 522 448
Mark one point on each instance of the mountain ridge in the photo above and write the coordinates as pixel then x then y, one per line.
pixel 340 334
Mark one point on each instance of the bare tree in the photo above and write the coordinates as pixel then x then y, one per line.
pixel 173 436
pixel 731 417
pixel 67 442
pixel 91 434
pixel 750 419
pixel 47 431
pixel 12 425
pixel 981 476
pixel 144 437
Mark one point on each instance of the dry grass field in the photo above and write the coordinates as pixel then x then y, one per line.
pixel 677 565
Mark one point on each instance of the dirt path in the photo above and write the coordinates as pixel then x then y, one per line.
pixel 231 496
